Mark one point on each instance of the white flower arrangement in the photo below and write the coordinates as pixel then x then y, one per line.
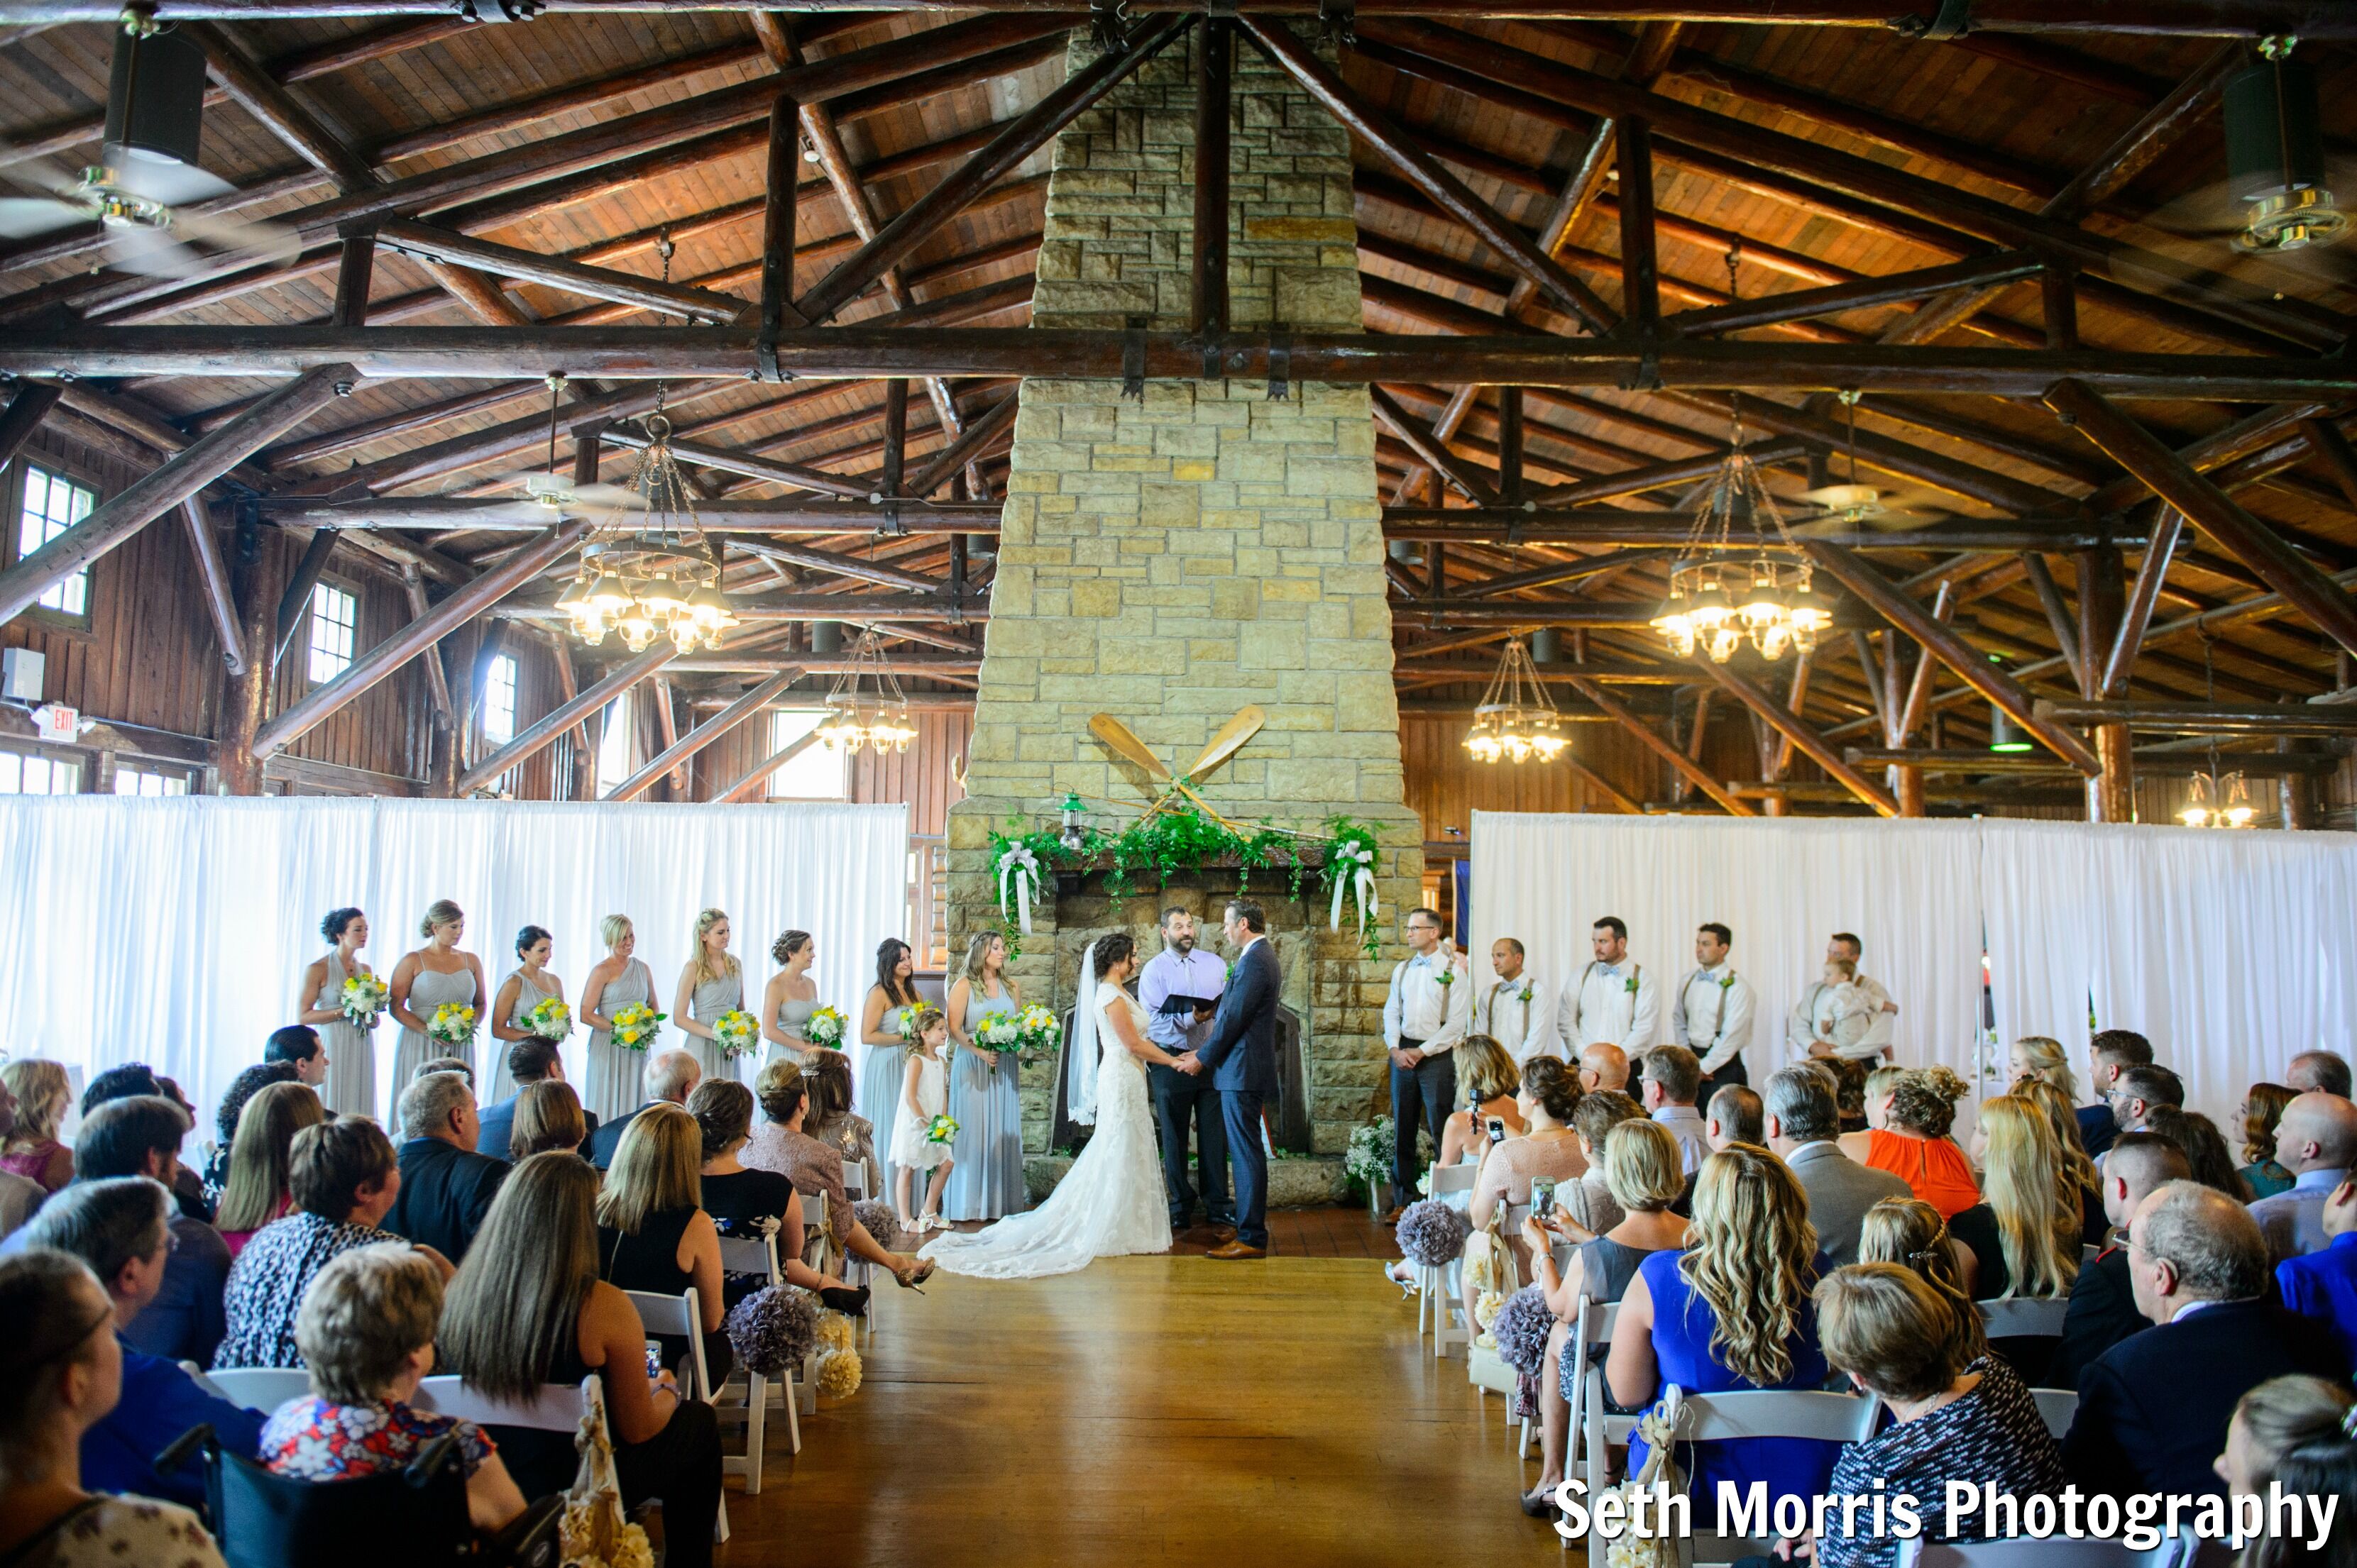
pixel 825 1027
pixel 550 1018
pixel 999 1033
pixel 364 999
pixel 453 1024
pixel 636 1026
pixel 736 1033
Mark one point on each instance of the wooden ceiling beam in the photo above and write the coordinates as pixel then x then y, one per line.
pixel 574 710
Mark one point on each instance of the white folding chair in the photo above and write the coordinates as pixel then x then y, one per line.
pixel 1435 1288
pixel 749 1256
pixel 681 1314
pixel 1765 1413
pixel 2175 1551
pixel 1484 1368
pixel 2017 1317
pixel 2056 1407
pixel 259 1388
pixel 855 1271
pixel 1592 1324
pixel 1599 1431
pixel 557 1407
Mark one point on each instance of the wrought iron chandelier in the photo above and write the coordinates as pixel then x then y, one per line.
pixel 875 713
pixel 2218 800
pixel 1515 722
pixel 649 571
pixel 1728 587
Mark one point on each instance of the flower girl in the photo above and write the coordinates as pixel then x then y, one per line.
pixel 922 1132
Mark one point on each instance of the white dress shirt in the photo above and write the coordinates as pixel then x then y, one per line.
pixel 1712 1015
pixel 1421 1007
pixel 1519 1013
pixel 1851 1015
pixel 1606 1008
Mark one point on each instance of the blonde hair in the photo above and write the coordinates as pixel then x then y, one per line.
pixel 2049 1063
pixel 1642 1168
pixel 656 1169
pixel 363 1317
pixel 1882 1080
pixel 978 948
pixel 2033 1196
pixel 2063 1117
pixel 1925 1100
pixel 614 927
pixel 263 1154
pixel 1893 1331
pixel 1485 1070
pixel 923 1017
pixel 704 922
pixel 1910 1233
pixel 439 913
pixel 1751 1255
pixel 42 1091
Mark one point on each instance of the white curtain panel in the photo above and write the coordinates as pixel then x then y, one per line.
pixel 174 931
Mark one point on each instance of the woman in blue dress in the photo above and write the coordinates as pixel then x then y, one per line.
pixel 887 1066
pixel 1730 1311
pixel 986 1181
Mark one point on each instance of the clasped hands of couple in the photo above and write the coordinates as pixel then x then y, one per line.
pixel 1190 1062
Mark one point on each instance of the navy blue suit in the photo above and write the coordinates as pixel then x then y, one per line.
pixel 1241 1056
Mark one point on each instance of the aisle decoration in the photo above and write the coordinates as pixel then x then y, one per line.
pixel 836 1332
pixel 453 1024
pixel 1433 1234
pixel 774 1329
pixel 636 1026
pixel 736 1033
pixel 364 1000
pixel 593 1532
pixel 876 1217
pixel 550 1018
pixel 1367 1159
pixel 1521 1330
pixel 839 1373
pixel 824 1028
pixel 1350 860
pixel 942 1128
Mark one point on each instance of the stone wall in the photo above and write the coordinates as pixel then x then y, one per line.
pixel 1172 560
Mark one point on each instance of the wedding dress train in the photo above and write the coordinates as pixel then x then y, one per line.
pixel 1109 1202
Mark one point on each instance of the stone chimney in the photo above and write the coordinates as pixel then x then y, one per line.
pixel 1173 559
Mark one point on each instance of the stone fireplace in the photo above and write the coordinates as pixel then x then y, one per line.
pixel 1171 559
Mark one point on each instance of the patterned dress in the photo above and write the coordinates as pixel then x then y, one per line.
pixel 267 1283
pixel 610 1087
pixel 499 1082
pixel 350 1089
pixel 712 998
pixel 986 1097
pixel 107 1532
pixel 316 1439
pixel 430 989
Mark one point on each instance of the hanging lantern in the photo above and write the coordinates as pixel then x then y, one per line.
pixel 867 706
pixel 1515 722
pixel 1719 598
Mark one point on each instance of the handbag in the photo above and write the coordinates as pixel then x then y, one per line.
pixel 595 1532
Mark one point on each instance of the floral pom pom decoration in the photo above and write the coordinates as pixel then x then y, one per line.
pixel 839 1374
pixel 774 1329
pixel 1433 1234
pixel 1521 1330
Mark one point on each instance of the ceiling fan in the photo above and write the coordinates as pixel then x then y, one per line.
pixel 551 493
pixel 147 178
pixel 1847 505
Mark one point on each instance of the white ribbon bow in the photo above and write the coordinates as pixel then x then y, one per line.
pixel 1360 877
pixel 1019 866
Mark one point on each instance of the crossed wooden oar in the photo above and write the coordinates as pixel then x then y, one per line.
pixel 1233 734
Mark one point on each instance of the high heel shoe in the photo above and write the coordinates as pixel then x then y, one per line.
pixel 849 1301
pixel 914 1277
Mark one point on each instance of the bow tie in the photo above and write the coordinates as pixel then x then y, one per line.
pixel 1608 969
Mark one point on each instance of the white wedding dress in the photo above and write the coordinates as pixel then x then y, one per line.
pixel 1111 1202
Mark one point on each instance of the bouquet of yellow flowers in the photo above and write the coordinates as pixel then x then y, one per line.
pixel 736 1032
pixel 635 1027
pixel 999 1033
pixel 825 1027
pixel 942 1130
pixel 1039 1027
pixel 550 1018
pixel 453 1024
pixel 364 999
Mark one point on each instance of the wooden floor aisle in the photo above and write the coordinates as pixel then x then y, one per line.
pixel 1155 1409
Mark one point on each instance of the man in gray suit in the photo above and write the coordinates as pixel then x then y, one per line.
pixel 1802 1124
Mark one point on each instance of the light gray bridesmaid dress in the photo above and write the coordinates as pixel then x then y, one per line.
pixel 500 1082
pixel 613 1084
pixel 430 989
pixel 792 1014
pixel 881 1078
pixel 350 1089
pixel 711 999
pixel 985 1099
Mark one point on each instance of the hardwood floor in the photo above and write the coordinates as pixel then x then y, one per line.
pixel 1153 1409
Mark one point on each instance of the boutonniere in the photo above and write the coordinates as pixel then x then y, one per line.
pixel 1446 977
pixel 1230 974
pixel 1631 984
pixel 1524 995
pixel 1727 982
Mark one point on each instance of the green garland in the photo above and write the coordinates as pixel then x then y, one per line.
pixel 1182 839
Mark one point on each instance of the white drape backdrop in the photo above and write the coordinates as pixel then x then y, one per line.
pixel 173 931
pixel 2232 952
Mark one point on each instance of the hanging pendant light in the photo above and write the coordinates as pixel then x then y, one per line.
pixel 1728 587
pixel 1515 722
pixel 867 706
pixel 2218 799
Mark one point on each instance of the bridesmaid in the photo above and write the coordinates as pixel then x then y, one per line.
pixel 887 1066
pixel 613 1086
pixel 790 998
pixel 987 1178
pixel 424 979
pixel 350 1089
pixel 712 983
pixel 525 988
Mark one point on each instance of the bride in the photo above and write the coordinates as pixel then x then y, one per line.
pixel 1111 1201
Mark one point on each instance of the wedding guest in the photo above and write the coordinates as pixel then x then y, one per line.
pixel 815 1166
pixel 1186 1105
pixel 711 984
pixel 1730 1310
pixel 248 1083
pixel 1712 1012
pixel 2044 1058
pixel 1549 1152
pixel 2292 1436
pixel 121 1082
pixel 345 1178
pixel 2153 1409
pixel 1427 1011
pixel 917 1156
pixel 791 997
pixel 1956 1415
pixel 366 1331
pixel 2317 1142
pixel 141 1136
pixel 619 980
pixel 1518 1009
pixel 258 1190
pixel 548 1115
pixel 1490 1081
pixel 438 974
pixel 1641 1164
pixel 1919 1106
pixel 986 1178
pixel 2084 1178
pixel 669 1076
pixel 2110 1053
pixel 350 1086
pixel 1589 1204
pixel 832 1121
pixel 428 1069
pixel 445 1187
pixel 652 1232
pixel 1614 999
pixel 1672 1078
pixel 31 1149
pixel 1603 1066
pixel 2205 1148
pixel 2324 1070
pixel 2261 1113
pixel 120 1228
pixel 19 1196
pixel 62 1375
pixel 2024 1233
pixel 1735 1118
pixel 529 1309
pixel 2323 1285
pixel 883 1017
pixel 1910 1233
pixel 531 1062
pixel 527 985
pixel 2103 1309
pixel 2139 1091
pixel 1801 1124
pixel 744 1201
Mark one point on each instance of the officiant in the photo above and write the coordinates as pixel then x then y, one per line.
pixel 1180 989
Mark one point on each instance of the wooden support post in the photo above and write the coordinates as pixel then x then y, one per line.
pixel 2110 794
pixel 296 602
pixel 212 576
pixel 754 777
pixel 678 748
pixel 2324 438
pixel 2057 287
pixel 2240 535
pixel 575 710
pixel 1640 273
pixel 895 434
pixel 1510 446
pixel 968 446
pixel 2141 600
pixel 204 460
pixel 448 735
pixel 236 764
pixel 1687 768
pixel 2058 614
pixel 1682 786
pixel 1434 452
pixel 24 414
pixel 667 729
pixel 355 271
pixel 778 231
pixel 1215 63
pixel 1817 749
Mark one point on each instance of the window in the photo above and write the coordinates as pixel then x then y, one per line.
pixel 500 700
pixel 335 619
pixel 817 772
pixel 147 781
pixel 614 751
pixel 23 775
pixel 54 503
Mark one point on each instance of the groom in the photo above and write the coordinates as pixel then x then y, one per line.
pixel 1241 1054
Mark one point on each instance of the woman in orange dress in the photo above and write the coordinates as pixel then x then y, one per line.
pixel 1914 1144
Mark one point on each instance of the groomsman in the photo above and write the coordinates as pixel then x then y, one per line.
pixel 1178 973
pixel 1616 1001
pixel 1712 1014
pixel 1518 1009
pixel 1811 1017
pixel 1429 1009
